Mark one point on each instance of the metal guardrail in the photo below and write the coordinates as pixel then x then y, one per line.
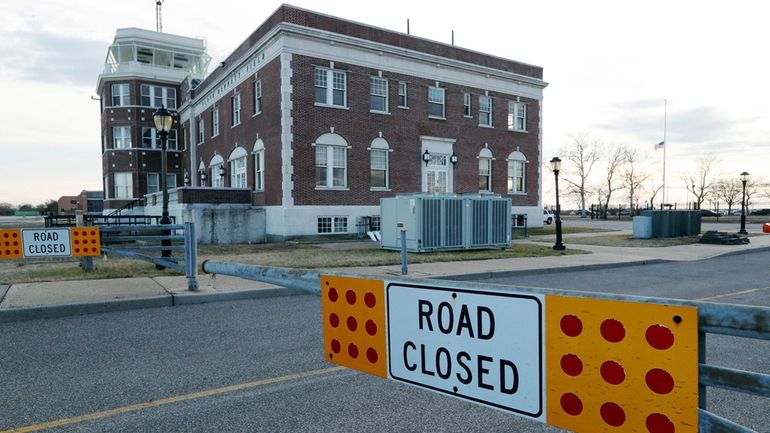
pixel 102 220
pixel 713 318
pixel 139 241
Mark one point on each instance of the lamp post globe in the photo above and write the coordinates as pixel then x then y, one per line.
pixel 556 167
pixel 744 179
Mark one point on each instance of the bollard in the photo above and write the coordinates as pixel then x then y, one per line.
pixel 404 269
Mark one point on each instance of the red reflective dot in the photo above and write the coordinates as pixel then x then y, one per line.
pixel 659 381
pixel 612 330
pixel 371 327
pixel 5 235
pixel 612 372
pixel 571 404
pixel 659 423
pixel 14 235
pixel 336 346
pixel 352 323
pixel 571 364
pixel 333 294
pixel 93 250
pixel 77 250
pixel 93 232
pixel 74 232
pixel 16 252
pixel 334 320
pixel 571 325
pixel 15 243
pixel 612 414
pixel 76 242
pixel 370 300
pixel 350 296
pixel 93 241
pixel 7 244
pixel 659 337
pixel 8 252
pixel 353 350
pixel 371 355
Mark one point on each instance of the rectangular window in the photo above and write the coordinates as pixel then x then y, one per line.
pixel 201 129
pixel 517 116
pixel 238 173
pixel 378 95
pixel 336 94
pixel 171 180
pixel 485 174
pixel 151 140
pixel 215 122
pixel 123 185
pixel 516 176
pixel 157 96
pixel 403 88
pixel 379 169
pixel 334 157
pixel 120 95
pixel 485 111
pixel 153 183
pixel 236 100
pixel 467 105
pixel 217 181
pixel 259 170
pixel 436 102
pixel 257 96
pixel 121 137
pixel 335 224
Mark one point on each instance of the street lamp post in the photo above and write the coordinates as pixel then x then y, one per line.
pixel 163 121
pixel 556 166
pixel 744 179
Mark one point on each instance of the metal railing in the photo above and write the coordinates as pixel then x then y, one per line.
pixel 102 220
pixel 147 243
pixel 725 319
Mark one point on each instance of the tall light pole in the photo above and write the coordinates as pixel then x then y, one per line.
pixel 556 166
pixel 163 121
pixel 744 179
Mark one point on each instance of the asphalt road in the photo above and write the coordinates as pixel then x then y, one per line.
pixel 164 370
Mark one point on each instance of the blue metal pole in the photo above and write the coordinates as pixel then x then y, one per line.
pixel 404 269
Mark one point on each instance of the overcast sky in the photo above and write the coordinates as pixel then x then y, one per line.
pixel 610 65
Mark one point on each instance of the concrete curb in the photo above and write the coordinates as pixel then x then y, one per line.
pixel 542 271
pixel 236 295
pixel 3 290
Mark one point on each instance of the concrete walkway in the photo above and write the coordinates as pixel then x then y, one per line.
pixel 63 298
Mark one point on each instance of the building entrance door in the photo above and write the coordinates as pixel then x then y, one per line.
pixel 436 179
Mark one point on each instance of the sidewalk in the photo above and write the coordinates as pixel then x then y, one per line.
pixel 56 299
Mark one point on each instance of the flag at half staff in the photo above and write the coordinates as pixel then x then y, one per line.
pixel 660 145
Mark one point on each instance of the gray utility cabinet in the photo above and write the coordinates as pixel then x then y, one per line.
pixel 445 222
pixel 673 223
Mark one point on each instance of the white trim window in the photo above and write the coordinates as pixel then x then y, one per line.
pixel 151 140
pixel 201 129
pixel 153 183
pixel 259 170
pixel 257 96
pixel 120 95
pixel 378 95
pixel 517 164
pixel 158 96
pixel 332 224
pixel 379 164
pixel 121 137
pixel 403 91
pixel 215 122
pixel 123 185
pixel 170 180
pixel 217 181
pixel 485 174
pixel 334 95
pixel 467 105
pixel 517 116
pixel 236 103
pixel 238 172
pixel 436 102
pixel 331 165
pixel 485 110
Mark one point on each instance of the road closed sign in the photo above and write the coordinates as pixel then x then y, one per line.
pixel 483 346
pixel 46 242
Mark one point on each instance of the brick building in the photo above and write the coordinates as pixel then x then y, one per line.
pixel 313 119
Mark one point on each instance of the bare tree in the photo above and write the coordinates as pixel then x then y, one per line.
pixel 633 177
pixel 654 190
pixel 728 190
pixel 616 158
pixel 580 158
pixel 700 184
pixel 755 187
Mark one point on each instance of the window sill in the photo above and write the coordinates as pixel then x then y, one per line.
pixel 332 188
pixel 256 114
pixel 403 107
pixel 467 116
pixel 338 107
pixel 486 126
pixel 379 189
pixel 436 118
pixel 518 130
pixel 235 125
pixel 516 193
pixel 386 113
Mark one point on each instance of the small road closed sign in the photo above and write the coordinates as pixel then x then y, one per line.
pixel 483 346
pixel 46 242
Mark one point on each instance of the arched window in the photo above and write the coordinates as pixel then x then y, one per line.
pixel 202 175
pixel 238 166
pixel 216 167
pixel 379 163
pixel 259 165
pixel 331 161
pixel 485 170
pixel 517 173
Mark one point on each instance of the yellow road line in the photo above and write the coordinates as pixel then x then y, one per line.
pixel 727 295
pixel 169 400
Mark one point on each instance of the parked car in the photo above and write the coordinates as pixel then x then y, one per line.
pixel 547 216
pixel 737 212
pixel 760 212
pixel 582 212
pixel 707 213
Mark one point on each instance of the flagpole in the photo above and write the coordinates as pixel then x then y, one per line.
pixel 665 145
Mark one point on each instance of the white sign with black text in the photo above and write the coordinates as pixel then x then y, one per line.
pixel 483 346
pixel 46 242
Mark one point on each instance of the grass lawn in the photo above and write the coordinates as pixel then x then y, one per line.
pixel 625 240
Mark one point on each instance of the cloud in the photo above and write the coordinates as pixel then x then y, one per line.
pixel 52 58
